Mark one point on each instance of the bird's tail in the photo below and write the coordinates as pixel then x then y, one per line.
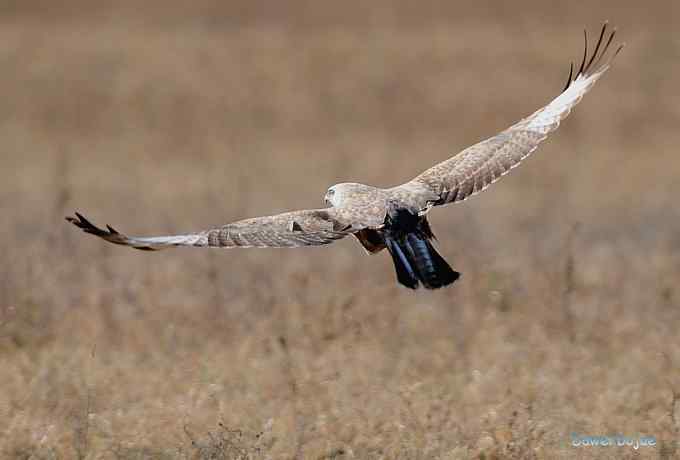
pixel 415 259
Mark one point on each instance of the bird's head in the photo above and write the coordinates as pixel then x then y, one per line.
pixel 338 193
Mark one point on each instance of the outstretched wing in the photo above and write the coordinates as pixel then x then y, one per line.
pixel 478 166
pixel 288 230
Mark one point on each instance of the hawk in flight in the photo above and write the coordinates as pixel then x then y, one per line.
pixel 396 218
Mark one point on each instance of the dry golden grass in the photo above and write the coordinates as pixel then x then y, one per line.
pixel 166 117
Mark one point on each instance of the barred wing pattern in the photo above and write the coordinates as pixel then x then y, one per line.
pixel 291 229
pixel 477 167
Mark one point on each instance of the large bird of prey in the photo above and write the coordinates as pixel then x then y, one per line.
pixel 395 218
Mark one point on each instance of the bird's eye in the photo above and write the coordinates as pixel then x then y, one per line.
pixel 331 192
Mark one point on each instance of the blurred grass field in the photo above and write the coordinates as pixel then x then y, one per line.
pixel 164 117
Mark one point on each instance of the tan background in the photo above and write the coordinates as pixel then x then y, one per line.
pixel 167 117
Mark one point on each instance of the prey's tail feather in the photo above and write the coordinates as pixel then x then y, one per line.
pixel 420 254
pixel 433 271
pixel 405 272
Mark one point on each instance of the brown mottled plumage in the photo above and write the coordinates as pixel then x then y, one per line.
pixel 394 218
